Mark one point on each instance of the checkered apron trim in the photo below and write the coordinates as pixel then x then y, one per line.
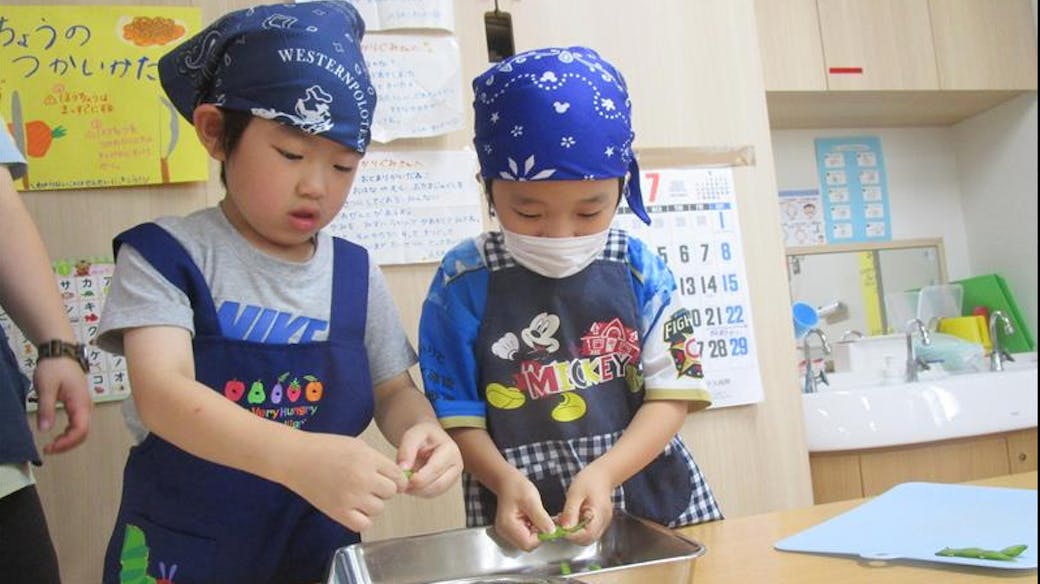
pixel 565 458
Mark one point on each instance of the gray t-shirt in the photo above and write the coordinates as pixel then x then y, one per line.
pixel 247 282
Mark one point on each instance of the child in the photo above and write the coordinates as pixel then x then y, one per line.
pixel 556 351
pixel 244 323
pixel 30 297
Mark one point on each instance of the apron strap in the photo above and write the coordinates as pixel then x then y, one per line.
pixel 169 257
pixel 349 290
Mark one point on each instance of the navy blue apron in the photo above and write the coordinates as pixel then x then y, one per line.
pixel 208 523
pixel 16 439
pixel 561 374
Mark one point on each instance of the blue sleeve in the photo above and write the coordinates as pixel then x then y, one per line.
pixel 9 154
pixel 652 282
pixel 448 329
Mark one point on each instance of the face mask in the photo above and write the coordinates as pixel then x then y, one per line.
pixel 555 257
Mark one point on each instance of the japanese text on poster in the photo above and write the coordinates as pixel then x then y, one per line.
pixel 394 14
pixel 83 284
pixel 80 90
pixel 412 206
pixel 419 84
pixel 696 232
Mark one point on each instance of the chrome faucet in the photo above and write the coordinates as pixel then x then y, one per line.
pixel 812 378
pixel 913 362
pixel 998 356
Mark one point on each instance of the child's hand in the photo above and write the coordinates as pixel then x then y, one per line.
pixel 432 457
pixel 521 516
pixel 343 477
pixel 588 500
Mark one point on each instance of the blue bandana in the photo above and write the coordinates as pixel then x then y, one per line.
pixel 299 65
pixel 556 114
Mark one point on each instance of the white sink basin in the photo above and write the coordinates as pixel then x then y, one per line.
pixel 926 411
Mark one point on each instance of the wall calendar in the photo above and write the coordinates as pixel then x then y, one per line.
pixel 695 230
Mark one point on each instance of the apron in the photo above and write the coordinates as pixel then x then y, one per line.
pixel 16 439
pixel 561 374
pixel 187 520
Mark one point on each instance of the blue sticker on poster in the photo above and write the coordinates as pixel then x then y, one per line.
pixel 853 189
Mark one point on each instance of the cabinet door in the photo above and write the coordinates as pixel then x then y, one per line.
pixel 790 45
pixel 954 461
pixel 878 45
pixel 1022 450
pixel 984 44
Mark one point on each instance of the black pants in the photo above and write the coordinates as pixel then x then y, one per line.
pixel 26 551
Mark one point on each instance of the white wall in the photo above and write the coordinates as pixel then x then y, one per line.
pixel 996 154
pixel 923 187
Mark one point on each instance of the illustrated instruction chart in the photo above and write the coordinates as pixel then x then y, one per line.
pixel 854 189
pixel 696 232
pixel 83 285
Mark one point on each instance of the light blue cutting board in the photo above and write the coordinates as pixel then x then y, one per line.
pixel 912 521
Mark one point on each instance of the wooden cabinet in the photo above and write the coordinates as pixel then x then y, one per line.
pixel 984 45
pixel 789 41
pixel 834 63
pixel 877 45
pixel 848 475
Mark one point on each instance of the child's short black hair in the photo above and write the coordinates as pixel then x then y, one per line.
pixel 235 124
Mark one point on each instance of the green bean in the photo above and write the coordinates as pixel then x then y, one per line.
pixel 562 531
pixel 1014 550
pixel 1007 554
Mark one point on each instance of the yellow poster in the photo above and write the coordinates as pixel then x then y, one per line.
pixel 79 88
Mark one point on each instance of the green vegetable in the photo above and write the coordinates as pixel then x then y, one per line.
pixel 408 473
pixel 562 531
pixel 594 566
pixel 1007 554
pixel 565 568
pixel 1014 551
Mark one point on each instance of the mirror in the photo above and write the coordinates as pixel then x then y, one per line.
pixel 856 287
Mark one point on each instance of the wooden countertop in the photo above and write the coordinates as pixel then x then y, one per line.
pixel 741 551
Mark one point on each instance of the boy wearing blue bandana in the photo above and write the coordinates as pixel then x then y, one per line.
pixel 244 324
pixel 556 351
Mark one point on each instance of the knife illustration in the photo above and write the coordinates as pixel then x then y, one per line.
pixel 18 124
pixel 164 165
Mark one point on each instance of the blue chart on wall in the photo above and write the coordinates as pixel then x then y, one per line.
pixel 854 189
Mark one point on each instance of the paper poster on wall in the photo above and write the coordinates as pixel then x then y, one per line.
pixel 79 89
pixel 83 284
pixel 696 232
pixel 801 216
pixel 412 206
pixel 854 188
pixel 419 83
pixel 395 14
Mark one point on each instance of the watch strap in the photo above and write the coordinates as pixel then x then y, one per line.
pixel 60 348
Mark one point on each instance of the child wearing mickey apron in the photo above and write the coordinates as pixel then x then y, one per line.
pixel 556 351
pixel 258 346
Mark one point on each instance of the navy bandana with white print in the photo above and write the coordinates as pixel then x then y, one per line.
pixel 556 114
pixel 299 65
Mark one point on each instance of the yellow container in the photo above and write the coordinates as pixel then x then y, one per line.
pixel 969 328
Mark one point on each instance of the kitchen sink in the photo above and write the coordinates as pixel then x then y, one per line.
pixel 854 413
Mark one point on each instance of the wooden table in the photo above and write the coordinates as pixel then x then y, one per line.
pixel 740 551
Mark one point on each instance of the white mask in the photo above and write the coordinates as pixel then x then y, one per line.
pixel 555 257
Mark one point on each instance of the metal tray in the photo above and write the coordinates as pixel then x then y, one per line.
pixel 476 555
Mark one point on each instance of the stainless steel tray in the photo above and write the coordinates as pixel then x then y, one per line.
pixel 477 555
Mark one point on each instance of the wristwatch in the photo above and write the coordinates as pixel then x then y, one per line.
pixel 59 348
